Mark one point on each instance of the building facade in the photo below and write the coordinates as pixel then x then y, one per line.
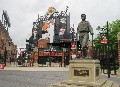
pixel 8 50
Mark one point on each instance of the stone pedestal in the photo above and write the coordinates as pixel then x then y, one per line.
pixel 84 73
pixel 84 70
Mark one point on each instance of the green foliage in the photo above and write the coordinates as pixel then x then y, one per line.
pixel 113 28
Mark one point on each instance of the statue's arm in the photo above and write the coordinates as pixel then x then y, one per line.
pixel 90 28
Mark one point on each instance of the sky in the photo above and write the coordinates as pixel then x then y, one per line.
pixel 23 13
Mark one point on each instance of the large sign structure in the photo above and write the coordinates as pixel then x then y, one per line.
pixel 61 22
pixel 62 28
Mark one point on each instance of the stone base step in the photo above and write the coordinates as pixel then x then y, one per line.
pixel 99 83
pixel 115 85
pixel 108 84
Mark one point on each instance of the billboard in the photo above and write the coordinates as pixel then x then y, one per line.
pixel 62 28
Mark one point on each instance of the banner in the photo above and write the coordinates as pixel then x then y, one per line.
pixel 103 38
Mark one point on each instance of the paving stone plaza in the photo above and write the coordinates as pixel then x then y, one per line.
pixel 37 76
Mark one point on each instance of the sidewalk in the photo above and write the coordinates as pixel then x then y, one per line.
pixel 38 68
pixel 113 78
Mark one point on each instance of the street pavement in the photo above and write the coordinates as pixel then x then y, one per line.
pixel 37 76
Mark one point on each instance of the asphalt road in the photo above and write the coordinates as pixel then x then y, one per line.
pixel 30 78
pixel 18 78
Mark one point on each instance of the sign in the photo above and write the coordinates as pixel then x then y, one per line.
pixel 62 26
pixel 1 66
pixel 73 45
pixel 59 54
pixel 103 38
pixel 81 72
pixel 61 32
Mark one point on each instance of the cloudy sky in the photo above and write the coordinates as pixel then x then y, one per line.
pixel 22 13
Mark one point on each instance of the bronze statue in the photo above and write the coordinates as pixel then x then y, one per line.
pixel 83 30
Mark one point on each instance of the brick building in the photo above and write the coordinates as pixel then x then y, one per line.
pixel 7 48
pixel 42 44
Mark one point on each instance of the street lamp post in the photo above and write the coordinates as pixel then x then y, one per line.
pixel 64 50
pixel 92 48
pixel 108 52
pixel 108 58
pixel 76 45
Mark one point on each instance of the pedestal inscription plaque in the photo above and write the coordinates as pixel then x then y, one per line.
pixel 81 72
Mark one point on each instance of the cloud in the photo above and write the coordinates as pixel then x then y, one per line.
pixel 23 13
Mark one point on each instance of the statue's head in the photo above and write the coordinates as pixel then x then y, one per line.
pixel 83 16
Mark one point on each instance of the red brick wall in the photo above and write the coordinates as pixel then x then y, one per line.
pixel 7 38
pixel 43 43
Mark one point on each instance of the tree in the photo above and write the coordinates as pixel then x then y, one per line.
pixel 113 29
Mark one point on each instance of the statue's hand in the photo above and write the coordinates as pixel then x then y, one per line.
pixel 92 33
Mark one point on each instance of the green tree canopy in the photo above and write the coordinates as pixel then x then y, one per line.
pixel 113 28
